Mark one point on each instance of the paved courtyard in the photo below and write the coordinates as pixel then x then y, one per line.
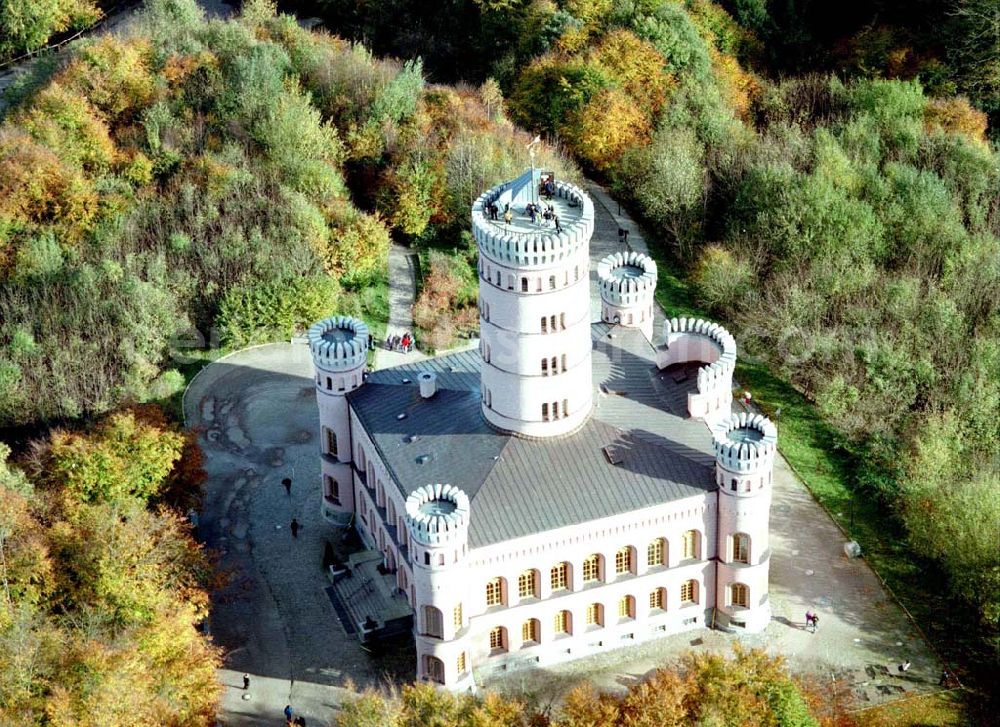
pixel 257 414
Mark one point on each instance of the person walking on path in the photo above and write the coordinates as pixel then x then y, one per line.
pixel 295 528
pixel 288 709
pixel 287 482
pixel 809 620
pixel 246 682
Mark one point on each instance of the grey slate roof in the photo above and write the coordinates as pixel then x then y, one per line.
pixel 639 416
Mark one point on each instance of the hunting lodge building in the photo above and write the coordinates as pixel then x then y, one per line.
pixel 568 488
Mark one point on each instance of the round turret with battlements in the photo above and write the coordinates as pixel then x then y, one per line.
pixel 534 304
pixel 339 347
pixel 745 447
pixel 437 523
pixel 628 283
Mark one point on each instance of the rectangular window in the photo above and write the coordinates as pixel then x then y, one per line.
pixel 592 569
pixel 529 631
pixel 625 607
pixel 496 638
pixel 432 622
pixel 545 324
pixel 594 614
pixel 461 663
pixel 656 599
pixel 741 595
pixel 545 367
pixel 332 490
pixel 688 591
pixel 623 561
pixel 654 553
pixel 457 617
pixel 741 551
pixel 562 622
pixel 690 544
pixel 331 442
pixel 526 585
pixel 559 576
pixel 545 412
pixel 494 592
pixel 565 407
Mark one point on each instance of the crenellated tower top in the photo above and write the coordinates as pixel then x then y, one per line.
pixel 745 442
pixel 438 515
pixel 627 278
pixel 522 246
pixel 339 343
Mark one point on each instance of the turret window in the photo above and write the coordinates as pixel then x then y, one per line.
pixel 433 622
pixel 460 664
pixel 545 367
pixel 456 617
pixel 331 441
pixel 545 324
pixel 740 595
pixel 741 548
pixel 434 668
pixel 552 282
pixel 331 490
pixel 524 285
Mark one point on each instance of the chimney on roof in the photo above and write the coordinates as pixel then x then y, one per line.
pixel 428 384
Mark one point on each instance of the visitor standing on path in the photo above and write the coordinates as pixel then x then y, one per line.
pixel 287 482
pixel 246 682
pixel 288 713
pixel 295 528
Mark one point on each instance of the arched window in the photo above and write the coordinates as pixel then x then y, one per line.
pixel 545 411
pixel 552 282
pixel 545 324
pixel 495 592
pixel 331 442
pixel 626 607
pixel 740 595
pixel 656 552
pixel 562 321
pixel 689 591
pixel 498 279
pixel 530 632
pixel 658 599
pixel 329 383
pixel 527 584
pixel 498 640
pixel 434 668
pixel 552 322
pixel 510 282
pixel 595 615
pixel 552 365
pixel 741 548
pixel 433 622
pixel 592 568
pixel 524 285
pixel 691 545
pixel 563 623
pixel 545 367
pixel 559 576
pixel 331 490
pixel 625 560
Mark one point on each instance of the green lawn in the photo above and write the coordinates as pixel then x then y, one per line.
pixel 812 449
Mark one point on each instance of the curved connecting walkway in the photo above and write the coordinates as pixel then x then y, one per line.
pixel 257 417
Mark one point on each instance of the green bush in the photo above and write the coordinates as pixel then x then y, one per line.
pixel 261 312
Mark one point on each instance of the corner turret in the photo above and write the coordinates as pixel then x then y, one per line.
pixel 628 283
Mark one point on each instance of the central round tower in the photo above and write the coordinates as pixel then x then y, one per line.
pixel 534 306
